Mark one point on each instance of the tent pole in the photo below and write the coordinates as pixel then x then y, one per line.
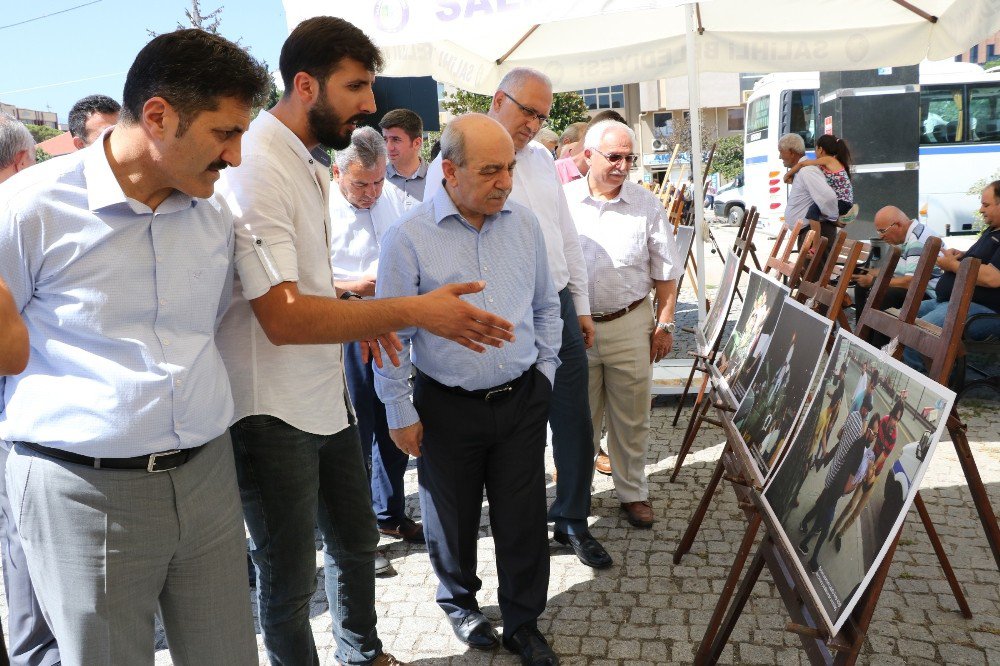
pixel 694 104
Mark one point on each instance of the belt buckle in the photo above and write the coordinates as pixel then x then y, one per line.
pixel 151 466
pixel 497 392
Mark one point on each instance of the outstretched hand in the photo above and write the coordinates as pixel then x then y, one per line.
pixel 444 314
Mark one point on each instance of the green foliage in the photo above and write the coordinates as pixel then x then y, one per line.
pixel 567 108
pixel 41 155
pixel 991 63
pixel 41 132
pixel 429 139
pixel 728 159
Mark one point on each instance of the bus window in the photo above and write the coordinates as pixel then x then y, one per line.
pixel 941 115
pixel 984 113
pixel 757 118
pixel 801 118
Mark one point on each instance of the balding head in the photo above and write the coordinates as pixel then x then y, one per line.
pixel 891 224
pixel 522 103
pixel 477 160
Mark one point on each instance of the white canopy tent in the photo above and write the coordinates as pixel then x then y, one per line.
pixel 580 44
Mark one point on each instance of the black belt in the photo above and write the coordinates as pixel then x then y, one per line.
pixel 488 394
pixel 154 462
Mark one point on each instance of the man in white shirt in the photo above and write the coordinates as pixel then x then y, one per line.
pixel 298 456
pixel 403 131
pixel 361 210
pixel 521 104
pixel 808 188
pixel 629 250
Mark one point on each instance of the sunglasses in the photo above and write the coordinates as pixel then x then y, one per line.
pixel 616 158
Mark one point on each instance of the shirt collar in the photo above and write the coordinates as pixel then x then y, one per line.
pixel 267 119
pixel 421 171
pixel 444 208
pixel 103 188
pixel 583 192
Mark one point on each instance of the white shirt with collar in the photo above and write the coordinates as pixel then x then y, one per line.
pixel 357 232
pixel 809 187
pixel 537 187
pixel 280 201
pixel 627 243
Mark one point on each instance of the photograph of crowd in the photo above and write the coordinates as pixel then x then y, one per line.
pixel 713 324
pixel 782 375
pixel 751 336
pixel 852 468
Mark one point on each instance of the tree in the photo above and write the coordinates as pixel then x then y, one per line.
pixel 728 159
pixel 567 108
pixel 41 155
pixel 682 134
pixel 41 132
pixel 208 22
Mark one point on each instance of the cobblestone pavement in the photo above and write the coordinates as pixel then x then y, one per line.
pixel 646 610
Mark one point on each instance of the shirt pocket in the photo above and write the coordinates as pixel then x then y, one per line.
pixel 205 285
pixel 630 250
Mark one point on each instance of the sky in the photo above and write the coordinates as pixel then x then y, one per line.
pixel 49 63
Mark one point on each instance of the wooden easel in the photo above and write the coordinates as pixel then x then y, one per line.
pixel 828 291
pixel 844 648
pixel 742 248
pixel 790 271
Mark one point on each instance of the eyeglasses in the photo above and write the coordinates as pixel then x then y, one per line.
pixel 883 232
pixel 615 158
pixel 528 111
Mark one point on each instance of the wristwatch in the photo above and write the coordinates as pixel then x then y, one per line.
pixel 348 295
pixel 668 327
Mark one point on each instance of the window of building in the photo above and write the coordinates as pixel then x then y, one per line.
pixel 663 124
pixel 735 120
pixel 974 53
pixel 991 51
pixel 607 97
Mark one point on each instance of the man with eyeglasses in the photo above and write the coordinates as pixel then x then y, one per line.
pixel 986 296
pixel 521 104
pixel 630 250
pixel 895 228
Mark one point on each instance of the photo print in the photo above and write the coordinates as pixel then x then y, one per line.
pixel 850 472
pixel 711 327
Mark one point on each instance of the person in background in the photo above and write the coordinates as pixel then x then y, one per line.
pixel 809 189
pixel 571 140
pixel 833 157
pixel 403 131
pixel 90 116
pixel 17 146
pixel 549 139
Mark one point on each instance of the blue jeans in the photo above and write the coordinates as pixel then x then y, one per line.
pixel 290 481
pixel 934 312
pixel 387 463
pixel 572 429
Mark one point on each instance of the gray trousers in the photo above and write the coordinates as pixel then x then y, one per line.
pixel 107 549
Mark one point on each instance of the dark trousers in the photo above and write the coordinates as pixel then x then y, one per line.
pixel 893 299
pixel 572 430
pixel 821 516
pixel 387 463
pixel 28 634
pixel 470 444
pixel 827 230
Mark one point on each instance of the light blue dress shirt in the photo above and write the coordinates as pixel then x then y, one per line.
pixel 433 245
pixel 121 304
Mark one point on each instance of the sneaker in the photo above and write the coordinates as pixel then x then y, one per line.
pixel 383 567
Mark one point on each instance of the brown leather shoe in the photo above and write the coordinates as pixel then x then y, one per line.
pixel 640 514
pixel 603 463
pixel 386 659
pixel 406 529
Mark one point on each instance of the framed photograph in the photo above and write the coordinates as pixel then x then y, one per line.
pixel 841 492
pixel 711 327
pixel 782 375
pixel 751 335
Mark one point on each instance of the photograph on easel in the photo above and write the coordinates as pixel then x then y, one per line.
pixel 781 375
pixel 751 335
pixel 715 321
pixel 850 472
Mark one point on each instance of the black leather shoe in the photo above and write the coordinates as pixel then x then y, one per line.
pixel 529 644
pixel 586 547
pixel 475 631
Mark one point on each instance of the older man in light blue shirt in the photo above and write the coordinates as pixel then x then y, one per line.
pixel 119 259
pixel 478 420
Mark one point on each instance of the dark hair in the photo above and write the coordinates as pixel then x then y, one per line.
pixel 192 70
pixel 404 119
pixel 874 419
pixel 317 46
pixel 607 114
pixel 837 148
pixel 897 410
pixel 87 107
pixel 435 148
pixel 995 186
pixel 867 403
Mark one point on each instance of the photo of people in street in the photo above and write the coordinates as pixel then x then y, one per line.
pixel 852 468
pixel 781 379
pixel 752 334
pixel 712 327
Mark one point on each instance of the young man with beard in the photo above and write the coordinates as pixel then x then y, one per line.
pixel 298 455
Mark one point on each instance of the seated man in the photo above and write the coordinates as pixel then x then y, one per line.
pixel 894 227
pixel 986 297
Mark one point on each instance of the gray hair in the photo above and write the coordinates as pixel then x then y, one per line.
pixel 545 134
pixel 14 137
pixel 515 79
pixel 792 142
pixel 367 149
pixel 597 131
pixel 453 143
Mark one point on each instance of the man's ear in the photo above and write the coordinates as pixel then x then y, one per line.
pixel 448 170
pixel 159 118
pixel 497 99
pixel 24 159
pixel 335 170
pixel 78 143
pixel 306 87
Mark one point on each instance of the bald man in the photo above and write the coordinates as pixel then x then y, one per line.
pixel 478 420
